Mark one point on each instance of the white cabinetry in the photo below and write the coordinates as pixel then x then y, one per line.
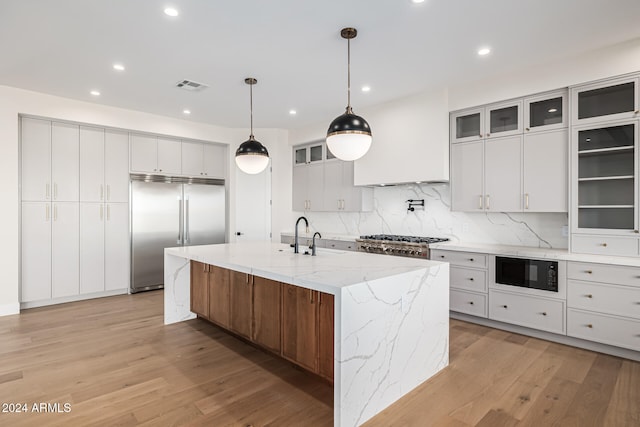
pixel 494 167
pixel 156 154
pixel 526 310
pixel 201 159
pixel 116 247
pixel 604 304
pixel 323 183
pixel 81 170
pixel 50 160
pixel 604 157
pixel 468 281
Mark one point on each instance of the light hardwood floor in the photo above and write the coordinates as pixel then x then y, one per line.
pixel 116 364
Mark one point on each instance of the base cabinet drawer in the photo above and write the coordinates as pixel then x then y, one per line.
pixel 464 259
pixel 533 312
pixel 468 303
pixel 604 298
pixel 468 278
pixel 602 328
pixel 604 245
pixel 342 245
pixel 604 273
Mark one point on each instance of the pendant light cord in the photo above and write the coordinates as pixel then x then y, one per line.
pixel 251 108
pixel 348 75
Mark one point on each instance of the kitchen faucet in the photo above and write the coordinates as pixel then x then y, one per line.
pixel 313 242
pixel 295 242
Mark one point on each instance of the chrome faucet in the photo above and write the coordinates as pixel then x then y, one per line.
pixel 295 242
pixel 313 242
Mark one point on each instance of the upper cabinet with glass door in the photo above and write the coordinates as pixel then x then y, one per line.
pixel 546 111
pixel 606 100
pixel 490 121
pixel 467 125
pixel 308 154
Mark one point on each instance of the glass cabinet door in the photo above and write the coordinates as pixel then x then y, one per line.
pixel 300 156
pixel 503 119
pixel 545 112
pixel 611 100
pixel 467 125
pixel 315 153
pixel 606 166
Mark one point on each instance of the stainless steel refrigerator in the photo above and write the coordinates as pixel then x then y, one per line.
pixel 168 212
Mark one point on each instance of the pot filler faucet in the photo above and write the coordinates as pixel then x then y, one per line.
pixel 295 242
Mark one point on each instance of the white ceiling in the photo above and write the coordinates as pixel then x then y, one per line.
pixel 293 48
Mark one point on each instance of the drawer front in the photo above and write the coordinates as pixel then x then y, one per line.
pixel 604 329
pixel 611 299
pixel 468 278
pixel 342 245
pixel 463 259
pixel 468 303
pixel 604 245
pixel 604 273
pixel 537 313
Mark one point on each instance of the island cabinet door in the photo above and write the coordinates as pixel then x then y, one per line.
pixel 299 326
pixel 267 300
pixel 240 303
pixel 219 295
pixel 325 335
pixel 200 288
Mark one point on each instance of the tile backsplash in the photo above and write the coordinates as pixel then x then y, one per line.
pixel 390 215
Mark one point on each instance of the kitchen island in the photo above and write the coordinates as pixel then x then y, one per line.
pixel 391 314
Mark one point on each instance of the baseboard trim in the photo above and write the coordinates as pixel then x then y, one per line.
pixel 9 309
pixel 561 339
pixel 44 303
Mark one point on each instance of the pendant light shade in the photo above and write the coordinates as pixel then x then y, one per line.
pixel 251 156
pixel 349 135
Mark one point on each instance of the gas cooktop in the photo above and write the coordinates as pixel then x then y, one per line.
pixel 399 238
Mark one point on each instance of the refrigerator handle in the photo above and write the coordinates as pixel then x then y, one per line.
pixel 180 220
pixel 186 221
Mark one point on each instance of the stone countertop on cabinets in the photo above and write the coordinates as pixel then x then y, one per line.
pixel 325 236
pixel 531 252
pixel 391 314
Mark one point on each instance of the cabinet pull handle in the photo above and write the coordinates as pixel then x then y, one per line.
pixel 471 302
pixel 47 191
pixel 471 278
pixel 108 212
pixel 526 201
pixel 480 201
pixel 204 268
pixel 310 296
pixel 589 271
pixel 55 191
pixel 636 231
pixel 488 135
pixel 636 112
pixel 544 313
pixel 604 245
pixel 441 256
pixel 589 296
pixel 527 129
pixel 590 326
pixel 487 203
pixel 480 136
pixel 46 215
pixel 108 192
pixel 101 212
pixel 101 192
pixel 504 306
pixel 471 259
pixel 55 212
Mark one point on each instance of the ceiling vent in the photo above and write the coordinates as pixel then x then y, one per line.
pixel 191 85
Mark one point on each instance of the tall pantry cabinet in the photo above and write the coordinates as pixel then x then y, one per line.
pixel 74 227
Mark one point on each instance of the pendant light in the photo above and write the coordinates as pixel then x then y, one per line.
pixel 251 156
pixel 349 135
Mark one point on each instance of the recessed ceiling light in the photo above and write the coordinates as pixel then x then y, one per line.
pixel 118 67
pixel 418 182
pixel 382 185
pixel 484 51
pixel 293 112
pixel 187 112
pixel 95 93
pixel 366 88
pixel 417 1
pixel 170 11
pixel 553 110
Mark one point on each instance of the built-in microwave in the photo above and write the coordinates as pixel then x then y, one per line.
pixel 527 273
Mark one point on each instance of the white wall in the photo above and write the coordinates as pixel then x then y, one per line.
pixel 16 101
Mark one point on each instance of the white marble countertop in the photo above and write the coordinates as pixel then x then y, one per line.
pixel 329 271
pixel 530 252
